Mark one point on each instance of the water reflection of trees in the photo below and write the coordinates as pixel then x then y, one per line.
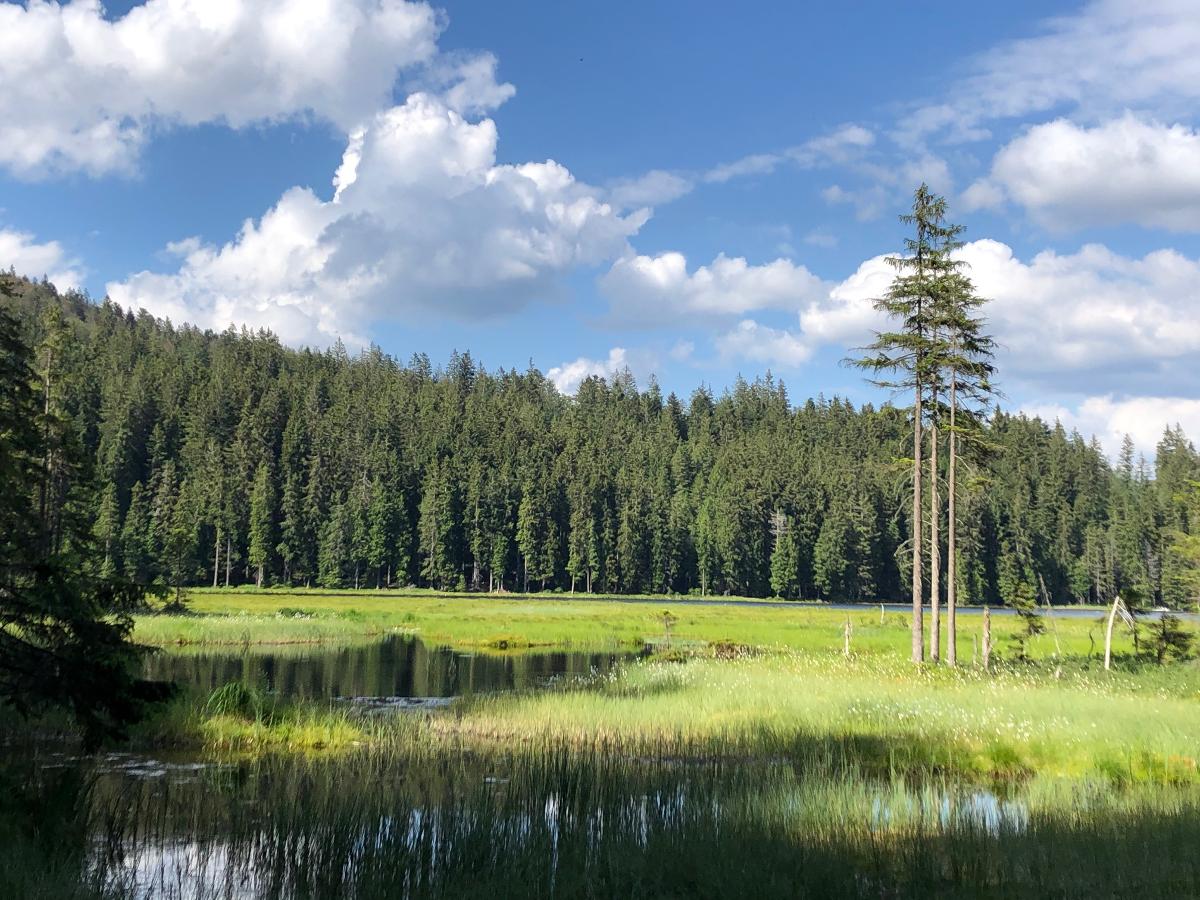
pixel 396 666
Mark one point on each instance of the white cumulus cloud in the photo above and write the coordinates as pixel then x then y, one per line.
pixel 1085 322
pixel 1110 417
pixel 81 91
pixel 568 376
pixel 760 343
pixel 658 289
pixel 1093 318
pixel 1125 170
pixel 422 218
pixel 22 253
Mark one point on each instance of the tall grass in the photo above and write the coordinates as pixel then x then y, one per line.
pixel 477 621
pixel 872 714
pixel 546 823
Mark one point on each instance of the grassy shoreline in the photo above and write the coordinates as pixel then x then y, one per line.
pixel 240 617
pixel 874 715
pixel 750 748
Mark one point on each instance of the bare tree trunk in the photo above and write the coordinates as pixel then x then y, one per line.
pixel 1112 617
pixel 935 561
pixel 918 624
pixel 228 558
pixel 951 534
pixel 849 629
pixel 987 639
pixel 1050 616
pixel 217 556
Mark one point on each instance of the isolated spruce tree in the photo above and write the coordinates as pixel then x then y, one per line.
pixel 965 362
pixel 907 358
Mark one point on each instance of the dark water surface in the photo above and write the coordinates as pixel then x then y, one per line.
pixel 395 666
pixel 534 820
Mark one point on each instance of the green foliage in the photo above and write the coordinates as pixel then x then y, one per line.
pixel 262 522
pixel 227 457
pixel 785 558
pixel 237 700
pixel 1168 639
pixel 63 618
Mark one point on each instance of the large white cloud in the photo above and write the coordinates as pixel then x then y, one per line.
pixel 659 289
pixel 1094 319
pixel 422 218
pixel 80 92
pixel 1126 170
pixel 22 253
pixel 1086 322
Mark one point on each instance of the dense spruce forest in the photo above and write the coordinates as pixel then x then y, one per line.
pixel 228 459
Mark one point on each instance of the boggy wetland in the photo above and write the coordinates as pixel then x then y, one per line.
pixel 370 759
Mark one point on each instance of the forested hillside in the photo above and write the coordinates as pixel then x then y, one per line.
pixel 228 458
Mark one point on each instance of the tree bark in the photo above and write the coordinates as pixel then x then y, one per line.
pixel 935 562
pixel 228 555
pixel 987 638
pixel 217 557
pixel 918 624
pixel 1112 617
pixel 951 536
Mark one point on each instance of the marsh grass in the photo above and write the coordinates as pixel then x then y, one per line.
pixel 476 621
pixel 748 758
pixel 47 820
pixel 826 713
pixel 550 823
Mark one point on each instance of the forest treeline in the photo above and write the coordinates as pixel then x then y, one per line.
pixel 230 459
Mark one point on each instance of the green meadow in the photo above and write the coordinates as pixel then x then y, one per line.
pixel 470 620
pixel 729 750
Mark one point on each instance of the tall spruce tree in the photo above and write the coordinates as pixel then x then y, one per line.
pixel 907 359
pixel 965 358
pixel 64 634
pixel 262 523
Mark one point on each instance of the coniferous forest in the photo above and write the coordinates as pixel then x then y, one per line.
pixel 229 459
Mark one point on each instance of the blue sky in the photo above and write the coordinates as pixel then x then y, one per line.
pixel 688 189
